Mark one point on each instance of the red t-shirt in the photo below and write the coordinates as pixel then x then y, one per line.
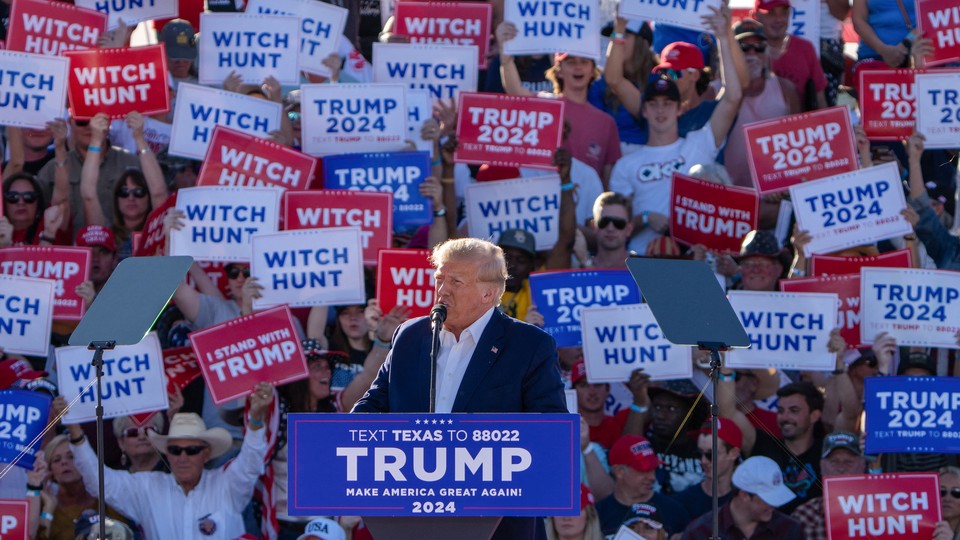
pixel 765 420
pixel 610 429
pixel 799 63
pixel 593 137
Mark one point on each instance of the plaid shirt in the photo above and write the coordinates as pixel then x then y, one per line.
pixel 780 527
pixel 810 515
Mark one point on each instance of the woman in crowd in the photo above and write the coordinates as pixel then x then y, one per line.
pixel 586 526
pixel 26 219
pixel 137 454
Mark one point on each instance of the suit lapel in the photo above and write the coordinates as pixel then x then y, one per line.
pixel 489 348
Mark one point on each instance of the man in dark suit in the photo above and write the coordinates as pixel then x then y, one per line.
pixel 487 363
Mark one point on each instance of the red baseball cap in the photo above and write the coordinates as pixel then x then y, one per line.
pixel 13 370
pixel 767 5
pixel 727 431
pixel 679 56
pixel 634 451
pixel 97 236
pixel 586 497
pixel 578 372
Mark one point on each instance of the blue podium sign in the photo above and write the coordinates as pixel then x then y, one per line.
pixel 434 464
pixel 24 415
pixel 912 414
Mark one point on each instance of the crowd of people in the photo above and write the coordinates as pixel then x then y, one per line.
pixel 664 100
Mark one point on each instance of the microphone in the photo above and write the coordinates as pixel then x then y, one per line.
pixel 438 314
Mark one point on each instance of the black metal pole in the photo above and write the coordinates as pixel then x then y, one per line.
pixel 715 364
pixel 98 347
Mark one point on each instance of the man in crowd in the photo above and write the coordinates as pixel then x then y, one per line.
pixel 698 498
pixel 612 225
pixel 841 457
pixel 792 57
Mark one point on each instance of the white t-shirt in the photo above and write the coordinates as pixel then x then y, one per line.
pixel 646 175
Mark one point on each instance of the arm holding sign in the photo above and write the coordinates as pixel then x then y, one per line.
pixel 941 246
pixel 628 94
pixel 727 403
pixel 15 147
pixel 509 74
pixel 726 111
pixel 432 189
pixel 90 173
pixel 559 256
pixel 922 48
pixel 149 166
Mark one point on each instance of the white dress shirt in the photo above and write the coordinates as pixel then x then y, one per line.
pixel 454 357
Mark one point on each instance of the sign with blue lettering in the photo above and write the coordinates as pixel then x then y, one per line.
pixel 560 296
pixel 133 380
pixel 531 204
pixel 309 267
pixel 340 118
pixel 938 108
pixel 619 339
pixel 851 209
pixel 400 173
pixel 434 464
pixel 419 110
pixel 912 414
pixel 805 21
pixel 787 330
pixel 683 13
pixel 321 25
pixel 254 46
pixel 33 88
pixel 199 108
pixel 442 70
pixel 23 418
pixel 132 12
pixel 220 221
pixel 548 26
pixel 915 306
pixel 26 312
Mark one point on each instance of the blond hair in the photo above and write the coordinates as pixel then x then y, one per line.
pixel 591 531
pixel 491 266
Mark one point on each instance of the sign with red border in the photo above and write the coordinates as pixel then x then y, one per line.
pixel 515 131
pixel 118 81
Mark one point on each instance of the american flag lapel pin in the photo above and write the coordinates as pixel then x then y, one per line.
pixel 494 350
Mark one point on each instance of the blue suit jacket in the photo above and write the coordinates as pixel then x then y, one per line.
pixel 514 369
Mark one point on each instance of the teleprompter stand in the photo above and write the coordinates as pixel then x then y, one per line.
pixel 122 314
pixel 692 309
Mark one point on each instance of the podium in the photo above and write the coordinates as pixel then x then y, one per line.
pixel 411 528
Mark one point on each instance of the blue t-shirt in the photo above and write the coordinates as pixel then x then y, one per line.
pixel 886 19
pixel 627 126
pixel 673 516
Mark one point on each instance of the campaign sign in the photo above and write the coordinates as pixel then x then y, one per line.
pixel 825 265
pixel 561 296
pixel 888 108
pixel 881 506
pixel 26 313
pixel 419 110
pixel 442 70
pixel 787 330
pixel 938 20
pixel 118 81
pixel 321 25
pixel 340 118
pixel 22 422
pixel 254 46
pixel 14 519
pixel 199 109
pixel 133 380
pixel 455 23
pixel 619 339
pixel 800 147
pixel 851 209
pixel 310 267
pixel 547 26
pixel 33 89
pixel 235 158
pixel 220 221
pixel 131 11
pixel 68 267
pixel 322 208
pixel 152 240
pixel 683 13
pixel 915 306
pixel 805 21
pixel 434 464
pixel 515 131
pixel 847 289
pixel 405 278
pixel 938 107
pixel 181 367
pixel 530 204
pixel 50 28
pixel 236 355
pixel 711 214
pixel 399 173
pixel 912 414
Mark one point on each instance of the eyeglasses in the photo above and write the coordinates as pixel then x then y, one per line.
pixel 293 116
pixel 13 197
pixel 708 455
pixel 137 192
pixel 672 73
pixel 189 450
pixel 619 223
pixel 758 48
pixel 954 492
pixel 234 272
pixel 130 433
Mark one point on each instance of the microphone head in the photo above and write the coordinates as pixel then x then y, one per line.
pixel 438 313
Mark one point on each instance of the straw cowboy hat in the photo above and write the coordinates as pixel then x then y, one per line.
pixel 191 426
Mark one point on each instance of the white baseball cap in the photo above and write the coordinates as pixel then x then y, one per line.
pixel 761 476
pixel 323 529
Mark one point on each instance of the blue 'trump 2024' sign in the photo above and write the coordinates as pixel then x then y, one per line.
pixel 434 464
pixel 912 414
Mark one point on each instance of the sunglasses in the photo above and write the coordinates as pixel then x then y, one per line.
pixel 672 73
pixel 81 123
pixel 234 272
pixel 954 492
pixel 293 116
pixel 758 48
pixel 130 433
pixel 188 450
pixel 137 192
pixel 619 223
pixel 708 455
pixel 13 197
